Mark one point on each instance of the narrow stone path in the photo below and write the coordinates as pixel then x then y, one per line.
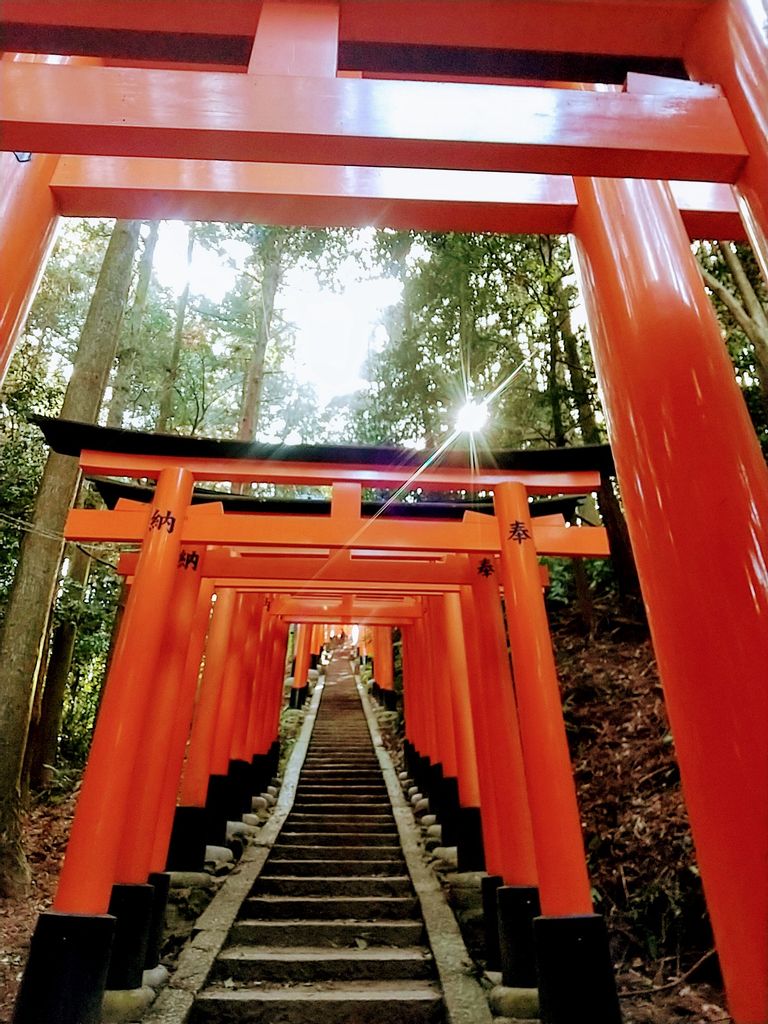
pixel 332 931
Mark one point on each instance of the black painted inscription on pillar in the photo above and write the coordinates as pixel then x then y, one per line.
pixel 189 560
pixel 158 520
pixel 518 531
pixel 485 567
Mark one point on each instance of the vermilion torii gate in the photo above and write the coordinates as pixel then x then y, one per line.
pixel 302 112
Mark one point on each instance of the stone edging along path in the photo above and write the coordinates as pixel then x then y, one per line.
pixel 465 1000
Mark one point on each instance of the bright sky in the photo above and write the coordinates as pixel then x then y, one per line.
pixel 334 331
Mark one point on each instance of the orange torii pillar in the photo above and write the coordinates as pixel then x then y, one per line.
pixel 265 724
pixel 199 819
pixel 139 897
pixel 233 780
pixel 272 720
pixel 423 754
pixel 169 820
pixel 383 664
pixel 441 782
pixel 315 647
pixel 66 971
pixel 573 959
pixel 416 743
pixel 240 764
pixel 29 219
pixel 510 892
pixel 729 45
pixel 471 855
pixel 301 653
pixel 695 490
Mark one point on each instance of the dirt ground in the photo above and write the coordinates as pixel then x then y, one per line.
pixel 639 848
pixel 46 833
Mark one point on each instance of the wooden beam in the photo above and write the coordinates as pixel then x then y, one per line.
pixel 395 197
pixel 315 531
pixel 128 112
pixel 318 474
pixel 640 27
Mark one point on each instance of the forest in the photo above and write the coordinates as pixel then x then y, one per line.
pixel 118 337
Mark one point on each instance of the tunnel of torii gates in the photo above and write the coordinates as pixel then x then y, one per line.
pixel 633 125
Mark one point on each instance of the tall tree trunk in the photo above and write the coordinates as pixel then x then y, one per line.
pixel 126 357
pixel 24 628
pixel 43 740
pixel 745 308
pixel 466 325
pixel 172 370
pixel 554 388
pixel 608 502
pixel 253 385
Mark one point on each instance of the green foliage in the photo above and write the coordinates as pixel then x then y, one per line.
pixel 748 298
pixel 475 308
pixel 95 615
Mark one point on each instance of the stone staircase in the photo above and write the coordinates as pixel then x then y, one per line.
pixel 332 931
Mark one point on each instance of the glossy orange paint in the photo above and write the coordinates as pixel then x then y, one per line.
pixel 225 17
pixel 383 665
pixel 106 795
pixel 457 683
pixel 402 198
pixel 424 691
pixel 729 45
pixel 134 861
pixel 259 701
pixel 179 732
pixel 488 783
pixel 413 692
pixel 561 865
pixel 298 38
pixel 276 674
pixel 475 535
pixel 301 654
pixel 614 26
pixel 324 474
pixel 261 710
pixel 497 735
pixel 693 480
pixel 231 695
pixel 130 112
pixel 253 608
pixel 29 218
pixel 440 708
pixel 194 782
pixel 28 222
pixel 572 26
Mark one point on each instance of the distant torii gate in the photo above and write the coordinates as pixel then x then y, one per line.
pixel 692 477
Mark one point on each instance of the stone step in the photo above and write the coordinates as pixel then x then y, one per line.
pixel 329 775
pixel 336 868
pixel 385 1002
pixel 319 838
pixel 318 908
pixel 317 963
pixel 342 789
pixel 321 824
pixel 300 851
pixel 339 808
pixel 340 819
pixel 332 886
pixel 342 799
pixel 351 765
pixel 330 933
pixel 356 755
